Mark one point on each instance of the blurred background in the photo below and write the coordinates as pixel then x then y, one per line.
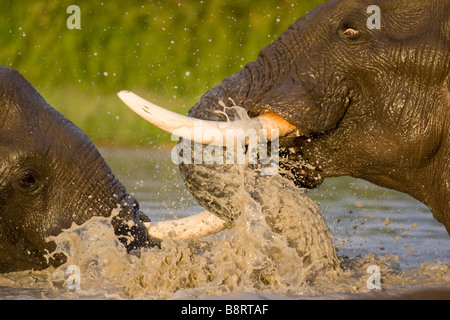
pixel 170 52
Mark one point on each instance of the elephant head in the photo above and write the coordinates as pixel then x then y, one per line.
pixel 51 175
pixel 372 103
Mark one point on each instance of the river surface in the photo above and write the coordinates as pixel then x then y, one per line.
pixel 371 226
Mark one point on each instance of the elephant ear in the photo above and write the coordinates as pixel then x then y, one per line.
pixel 446 34
pixel 406 19
pixel 447 23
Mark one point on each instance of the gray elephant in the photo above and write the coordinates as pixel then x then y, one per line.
pixel 51 175
pixel 348 98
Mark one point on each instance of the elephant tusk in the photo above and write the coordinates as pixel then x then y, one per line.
pixel 204 131
pixel 193 227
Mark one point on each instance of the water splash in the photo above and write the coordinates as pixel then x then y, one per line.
pixel 282 252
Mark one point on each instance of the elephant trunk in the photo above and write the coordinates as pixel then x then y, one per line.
pixel 129 225
pixel 94 191
pixel 216 187
pixel 215 116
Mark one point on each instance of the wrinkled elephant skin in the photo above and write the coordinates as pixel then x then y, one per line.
pixel 367 103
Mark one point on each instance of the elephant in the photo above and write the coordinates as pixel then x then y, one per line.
pixel 52 175
pixel 348 98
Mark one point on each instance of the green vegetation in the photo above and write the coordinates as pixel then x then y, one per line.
pixel 168 51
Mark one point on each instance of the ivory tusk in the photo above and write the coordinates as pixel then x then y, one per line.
pixel 204 131
pixel 193 227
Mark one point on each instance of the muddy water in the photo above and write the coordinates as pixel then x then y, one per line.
pixel 284 246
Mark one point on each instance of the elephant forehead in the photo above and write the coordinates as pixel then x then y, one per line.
pixel 23 111
pixel 12 118
pixel 38 127
pixel 20 134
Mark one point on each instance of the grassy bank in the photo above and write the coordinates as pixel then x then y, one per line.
pixel 169 51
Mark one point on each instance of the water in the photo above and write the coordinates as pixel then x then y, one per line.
pixel 355 210
pixel 370 226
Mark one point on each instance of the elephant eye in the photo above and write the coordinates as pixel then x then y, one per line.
pixel 351 33
pixel 28 181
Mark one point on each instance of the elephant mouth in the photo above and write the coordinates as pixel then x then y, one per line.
pixel 265 126
pixel 292 163
pixel 295 167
